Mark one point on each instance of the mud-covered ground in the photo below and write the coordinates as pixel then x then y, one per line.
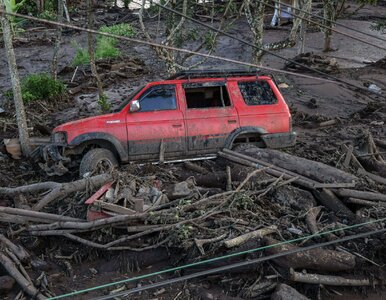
pixel 311 103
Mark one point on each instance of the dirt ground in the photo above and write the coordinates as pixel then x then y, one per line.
pixel 311 102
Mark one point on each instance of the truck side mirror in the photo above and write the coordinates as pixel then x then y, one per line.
pixel 135 106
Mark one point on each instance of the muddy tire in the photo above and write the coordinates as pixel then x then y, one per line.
pixel 97 161
pixel 244 146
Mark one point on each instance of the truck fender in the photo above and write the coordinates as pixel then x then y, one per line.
pixel 120 147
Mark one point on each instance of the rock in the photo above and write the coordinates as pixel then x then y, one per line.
pixel 39 264
pixel 6 283
pixel 283 85
pixel 13 147
pixel 285 292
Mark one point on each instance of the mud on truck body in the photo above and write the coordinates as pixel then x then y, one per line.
pixel 190 115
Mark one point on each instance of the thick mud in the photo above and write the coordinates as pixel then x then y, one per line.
pixel 311 103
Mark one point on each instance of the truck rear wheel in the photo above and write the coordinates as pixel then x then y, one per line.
pixel 97 161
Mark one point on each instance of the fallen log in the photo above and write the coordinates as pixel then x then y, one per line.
pixel 36 216
pixel 26 286
pixel 19 251
pixel 70 187
pixel 273 170
pixel 332 280
pixel 360 194
pixel 310 169
pixel 328 199
pixel 250 235
pixel 311 219
pixel 316 259
pixel 285 292
pixel 364 202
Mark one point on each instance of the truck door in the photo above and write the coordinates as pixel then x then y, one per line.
pixel 157 120
pixel 210 116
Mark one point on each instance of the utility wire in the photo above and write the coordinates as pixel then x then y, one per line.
pixel 333 22
pixel 152 44
pixel 326 27
pixel 259 48
pixel 218 258
pixel 238 265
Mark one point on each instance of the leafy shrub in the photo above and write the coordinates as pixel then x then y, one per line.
pixel 41 86
pixel 106 47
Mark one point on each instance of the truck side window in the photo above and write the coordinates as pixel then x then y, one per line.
pixel 206 96
pixel 162 97
pixel 257 92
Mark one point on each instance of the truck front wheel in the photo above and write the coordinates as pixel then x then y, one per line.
pixel 97 161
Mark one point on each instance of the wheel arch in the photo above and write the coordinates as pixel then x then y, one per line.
pixel 103 140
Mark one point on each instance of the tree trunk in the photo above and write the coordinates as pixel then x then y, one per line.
pixel 90 39
pixel 254 12
pixel 16 88
pixel 54 68
pixel 329 16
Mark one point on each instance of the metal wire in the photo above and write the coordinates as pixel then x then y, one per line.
pixel 238 265
pixel 256 47
pixel 329 28
pixel 324 19
pixel 218 258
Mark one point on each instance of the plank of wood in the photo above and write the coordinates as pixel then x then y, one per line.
pixel 114 208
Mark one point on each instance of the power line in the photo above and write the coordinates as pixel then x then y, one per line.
pixel 326 27
pixel 218 258
pixel 256 47
pixel 333 22
pixel 238 265
pixel 152 44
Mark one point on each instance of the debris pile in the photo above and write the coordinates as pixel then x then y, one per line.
pixel 244 200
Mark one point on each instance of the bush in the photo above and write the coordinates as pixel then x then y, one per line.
pixel 106 47
pixel 41 87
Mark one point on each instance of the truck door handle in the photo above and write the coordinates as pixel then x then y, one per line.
pixel 176 125
pixel 232 121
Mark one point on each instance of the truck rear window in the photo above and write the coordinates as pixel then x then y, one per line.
pixel 257 92
pixel 208 95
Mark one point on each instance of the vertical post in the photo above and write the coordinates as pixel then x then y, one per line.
pixel 15 80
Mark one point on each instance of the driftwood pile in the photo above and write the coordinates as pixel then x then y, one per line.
pixel 245 199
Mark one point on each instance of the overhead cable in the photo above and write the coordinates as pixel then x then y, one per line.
pixel 257 47
pixel 326 27
pixel 333 22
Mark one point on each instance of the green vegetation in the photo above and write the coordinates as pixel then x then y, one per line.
pixel 40 87
pixel 104 105
pixel 379 25
pixel 106 47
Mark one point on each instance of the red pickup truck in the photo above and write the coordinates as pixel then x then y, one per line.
pixel 190 115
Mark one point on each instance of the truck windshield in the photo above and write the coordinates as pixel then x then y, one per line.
pixel 128 99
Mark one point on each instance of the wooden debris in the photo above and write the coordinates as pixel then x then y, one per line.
pixel 26 285
pixel 371 196
pixel 285 292
pixel 332 280
pixel 257 234
pixel 316 259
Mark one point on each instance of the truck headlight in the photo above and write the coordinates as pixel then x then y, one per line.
pixel 59 137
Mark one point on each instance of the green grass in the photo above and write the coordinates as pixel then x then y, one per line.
pixel 106 47
pixel 39 87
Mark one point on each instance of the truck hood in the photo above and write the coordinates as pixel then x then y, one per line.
pixel 87 123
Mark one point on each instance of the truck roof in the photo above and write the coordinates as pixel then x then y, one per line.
pixel 224 73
